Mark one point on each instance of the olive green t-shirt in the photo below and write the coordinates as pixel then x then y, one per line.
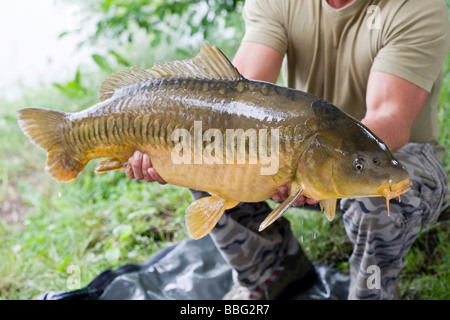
pixel 330 52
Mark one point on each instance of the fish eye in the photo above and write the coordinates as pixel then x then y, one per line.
pixel 359 164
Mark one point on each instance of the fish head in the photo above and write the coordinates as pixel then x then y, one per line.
pixel 346 160
pixel 368 170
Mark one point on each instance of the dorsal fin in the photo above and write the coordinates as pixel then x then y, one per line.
pixel 210 63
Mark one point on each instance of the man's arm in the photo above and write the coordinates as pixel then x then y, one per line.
pixel 258 62
pixel 393 104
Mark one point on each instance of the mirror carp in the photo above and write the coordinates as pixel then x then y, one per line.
pixel 206 127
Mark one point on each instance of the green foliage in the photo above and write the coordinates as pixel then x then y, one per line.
pixel 181 25
pixel 101 62
pixel 202 17
pixel 444 115
pixel 426 273
pixel 127 33
pixel 74 88
pixel 95 222
pixel 120 59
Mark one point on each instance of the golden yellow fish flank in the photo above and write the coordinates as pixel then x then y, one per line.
pixel 206 127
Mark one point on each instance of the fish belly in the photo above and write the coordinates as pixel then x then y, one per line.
pixel 238 182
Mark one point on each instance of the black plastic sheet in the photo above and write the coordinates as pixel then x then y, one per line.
pixel 190 270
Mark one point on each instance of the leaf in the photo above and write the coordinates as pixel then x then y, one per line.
pixel 120 59
pixel 72 89
pixel 101 62
pixel 123 232
pixel 77 80
pixel 112 255
pixel 181 52
pixel 105 5
pixel 62 34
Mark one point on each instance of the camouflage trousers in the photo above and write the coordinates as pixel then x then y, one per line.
pixel 380 241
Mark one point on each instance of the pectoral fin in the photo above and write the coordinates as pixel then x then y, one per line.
pixel 328 206
pixel 280 210
pixel 203 214
pixel 110 164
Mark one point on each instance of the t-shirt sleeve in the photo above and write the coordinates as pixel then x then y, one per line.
pixel 416 43
pixel 265 23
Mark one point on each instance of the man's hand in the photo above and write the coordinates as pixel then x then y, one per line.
pixel 285 191
pixel 139 166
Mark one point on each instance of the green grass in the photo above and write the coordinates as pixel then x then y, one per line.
pixel 94 223
pixel 104 221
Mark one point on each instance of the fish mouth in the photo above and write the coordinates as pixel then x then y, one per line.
pixel 394 190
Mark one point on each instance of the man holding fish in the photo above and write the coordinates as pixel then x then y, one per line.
pixel 379 61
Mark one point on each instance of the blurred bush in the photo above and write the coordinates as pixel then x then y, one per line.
pixel 141 32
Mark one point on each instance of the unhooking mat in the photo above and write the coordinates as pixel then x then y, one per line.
pixel 190 270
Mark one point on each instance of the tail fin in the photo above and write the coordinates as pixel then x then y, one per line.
pixel 43 127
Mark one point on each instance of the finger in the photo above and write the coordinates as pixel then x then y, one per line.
pixel 299 202
pixel 129 170
pixel 155 176
pixel 283 192
pixel 276 197
pixel 311 201
pixel 146 164
pixel 136 164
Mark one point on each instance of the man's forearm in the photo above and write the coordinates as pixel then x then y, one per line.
pixel 393 104
pixel 392 131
